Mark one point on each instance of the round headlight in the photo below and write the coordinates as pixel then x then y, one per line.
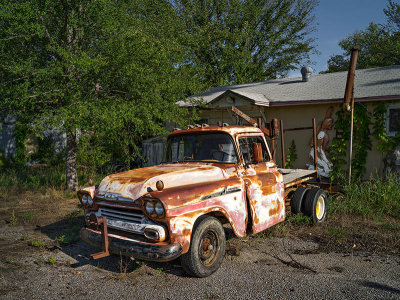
pixel 90 200
pixel 159 209
pixel 149 207
pixel 84 199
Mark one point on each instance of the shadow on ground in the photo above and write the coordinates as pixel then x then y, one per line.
pixel 81 251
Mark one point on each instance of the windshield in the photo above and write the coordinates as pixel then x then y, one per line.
pixel 209 147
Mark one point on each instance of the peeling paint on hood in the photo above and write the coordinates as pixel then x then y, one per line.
pixel 136 183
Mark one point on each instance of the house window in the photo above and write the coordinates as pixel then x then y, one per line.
pixel 393 119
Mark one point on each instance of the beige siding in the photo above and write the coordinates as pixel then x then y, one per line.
pixel 295 116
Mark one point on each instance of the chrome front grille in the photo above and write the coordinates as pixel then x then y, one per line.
pixel 133 216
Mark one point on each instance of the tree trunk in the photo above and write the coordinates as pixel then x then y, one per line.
pixel 71 183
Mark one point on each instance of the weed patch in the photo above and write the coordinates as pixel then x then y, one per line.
pixel 159 270
pixel 337 232
pixel 71 215
pixel 28 215
pixel 371 199
pixel 392 227
pixel 38 244
pixel 52 260
pixel 298 219
pixel 70 236
pixel 13 219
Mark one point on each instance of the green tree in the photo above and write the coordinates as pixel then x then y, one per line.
pixel 236 41
pixel 379 44
pixel 104 72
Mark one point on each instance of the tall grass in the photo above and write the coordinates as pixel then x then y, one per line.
pixel 370 199
pixel 34 178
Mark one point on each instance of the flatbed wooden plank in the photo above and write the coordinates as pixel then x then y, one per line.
pixel 296 176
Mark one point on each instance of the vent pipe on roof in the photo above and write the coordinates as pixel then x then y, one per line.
pixel 306 72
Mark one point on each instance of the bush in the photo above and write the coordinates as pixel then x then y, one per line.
pixel 370 199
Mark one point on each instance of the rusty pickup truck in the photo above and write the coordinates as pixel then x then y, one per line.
pixel 209 176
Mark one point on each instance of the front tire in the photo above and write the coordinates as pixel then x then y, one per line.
pixel 207 248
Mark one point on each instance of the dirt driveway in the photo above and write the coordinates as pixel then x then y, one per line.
pixel 254 268
pixel 42 258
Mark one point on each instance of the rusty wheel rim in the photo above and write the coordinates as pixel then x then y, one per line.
pixel 208 248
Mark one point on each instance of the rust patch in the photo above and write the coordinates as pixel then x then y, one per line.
pixel 277 209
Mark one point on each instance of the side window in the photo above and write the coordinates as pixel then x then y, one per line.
pixel 245 145
pixel 392 119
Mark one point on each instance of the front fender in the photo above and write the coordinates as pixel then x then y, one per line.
pixel 185 204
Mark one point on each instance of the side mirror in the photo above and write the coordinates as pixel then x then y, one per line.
pixel 257 152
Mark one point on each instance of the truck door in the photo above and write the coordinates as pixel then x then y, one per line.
pixel 264 184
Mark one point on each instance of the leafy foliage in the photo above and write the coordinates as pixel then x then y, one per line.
pixel 234 41
pixel 111 70
pixel 292 156
pixel 361 142
pixel 109 74
pixel 338 147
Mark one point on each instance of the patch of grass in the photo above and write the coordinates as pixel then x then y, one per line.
pixel 71 215
pixel 23 237
pixel 337 232
pixel 371 199
pixel 38 244
pixel 33 178
pixel 392 227
pixel 13 219
pixel 50 176
pixel 70 236
pixel 298 219
pixel 9 260
pixel 266 234
pixel 52 260
pixel 27 215
pixel 159 270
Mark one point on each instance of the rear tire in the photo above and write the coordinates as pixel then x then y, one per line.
pixel 207 248
pixel 315 205
pixel 297 199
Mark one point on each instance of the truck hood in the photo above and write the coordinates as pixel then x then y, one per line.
pixel 135 183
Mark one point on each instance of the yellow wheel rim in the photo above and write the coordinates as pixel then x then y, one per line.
pixel 320 207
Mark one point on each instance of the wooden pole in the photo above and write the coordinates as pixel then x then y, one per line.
pixel 282 145
pixel 350 77
pixel 315 145
pixel 351 134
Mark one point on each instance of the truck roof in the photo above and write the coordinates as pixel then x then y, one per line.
pixel 232 130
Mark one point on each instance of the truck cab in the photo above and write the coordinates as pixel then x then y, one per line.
pixel 210 175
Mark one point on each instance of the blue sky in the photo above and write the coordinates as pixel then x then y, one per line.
pixel 338 18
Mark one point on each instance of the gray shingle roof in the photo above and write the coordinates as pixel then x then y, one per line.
pixel 369 83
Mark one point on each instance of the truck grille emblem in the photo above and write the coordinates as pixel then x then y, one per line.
pixel 111 196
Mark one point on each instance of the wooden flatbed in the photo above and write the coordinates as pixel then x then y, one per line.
pixel 293 177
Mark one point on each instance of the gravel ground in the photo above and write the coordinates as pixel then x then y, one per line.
pixel 254 268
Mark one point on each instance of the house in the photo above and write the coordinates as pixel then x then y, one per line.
pixel 297 100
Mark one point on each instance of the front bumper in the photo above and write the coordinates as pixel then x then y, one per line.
pixel 130 247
